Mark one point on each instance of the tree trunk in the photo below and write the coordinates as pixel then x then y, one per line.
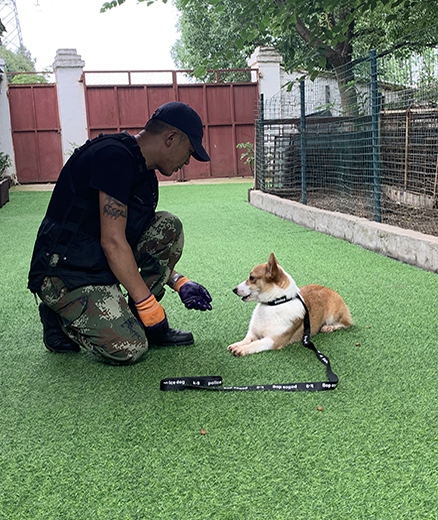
pixel 347 89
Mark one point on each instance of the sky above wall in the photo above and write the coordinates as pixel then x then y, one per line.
pixel 133 36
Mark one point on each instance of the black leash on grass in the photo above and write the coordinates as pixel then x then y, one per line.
pixel 215 382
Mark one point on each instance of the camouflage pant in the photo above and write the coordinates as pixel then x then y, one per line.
pixel 98 317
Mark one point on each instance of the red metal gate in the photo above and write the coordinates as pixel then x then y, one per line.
pixel 36 132
pixel 227 110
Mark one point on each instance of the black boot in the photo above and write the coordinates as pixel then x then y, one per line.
pixel 171 337
pixel 53 336
pixel 162 335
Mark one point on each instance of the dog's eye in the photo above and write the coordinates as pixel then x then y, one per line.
pixel 251 278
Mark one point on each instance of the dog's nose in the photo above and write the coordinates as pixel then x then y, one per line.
pixel 235 290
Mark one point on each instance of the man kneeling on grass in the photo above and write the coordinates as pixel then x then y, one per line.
pixel 101 232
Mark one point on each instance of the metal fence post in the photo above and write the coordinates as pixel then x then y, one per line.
pixel 260 172
pixel 375 110
pixel 303 143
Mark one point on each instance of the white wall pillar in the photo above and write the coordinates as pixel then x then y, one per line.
pixel 267 60
pixel 68 67
pixel 6 145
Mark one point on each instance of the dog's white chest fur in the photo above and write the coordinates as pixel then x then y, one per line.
pixel 274 320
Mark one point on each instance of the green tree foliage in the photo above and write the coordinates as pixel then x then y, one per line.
pixel 406 27
pixel 22 65
pixel 21 60
pixel 313 35
pixel 330 32
pixel 2 30
pixel 209 40
pixel 28 79
pixel 5 163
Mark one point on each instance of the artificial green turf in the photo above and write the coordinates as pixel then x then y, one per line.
pixel 83 440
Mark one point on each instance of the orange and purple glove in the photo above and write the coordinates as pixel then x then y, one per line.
pixel 192 294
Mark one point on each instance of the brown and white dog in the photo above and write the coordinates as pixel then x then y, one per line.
pixel 278 318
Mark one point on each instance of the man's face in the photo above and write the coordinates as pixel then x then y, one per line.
pixel 179 152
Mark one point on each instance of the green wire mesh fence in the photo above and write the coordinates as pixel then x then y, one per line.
pixel 361 141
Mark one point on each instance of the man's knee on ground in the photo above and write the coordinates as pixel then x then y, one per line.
pixel 123 342
pixel 122 358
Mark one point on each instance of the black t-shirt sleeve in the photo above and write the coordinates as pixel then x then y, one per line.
pixel 112 171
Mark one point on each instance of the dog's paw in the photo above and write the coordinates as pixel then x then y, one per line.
pixel 237 350
pixel 328 328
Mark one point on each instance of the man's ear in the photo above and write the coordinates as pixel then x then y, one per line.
pixel 171 137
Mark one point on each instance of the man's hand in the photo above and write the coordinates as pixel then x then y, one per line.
pixel 192 294
pixel 151 313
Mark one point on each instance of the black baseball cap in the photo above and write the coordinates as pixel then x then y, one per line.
pixel 183 117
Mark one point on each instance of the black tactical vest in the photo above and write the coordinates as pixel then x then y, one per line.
pixel 64 248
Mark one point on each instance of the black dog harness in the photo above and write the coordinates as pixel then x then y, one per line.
pixel 215 382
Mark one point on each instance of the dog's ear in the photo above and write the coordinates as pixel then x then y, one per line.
pixel 272 267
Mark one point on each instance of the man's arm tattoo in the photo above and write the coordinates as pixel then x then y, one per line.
pixel 114 208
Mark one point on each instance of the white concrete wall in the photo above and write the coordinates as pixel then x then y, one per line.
pixel 267 60
pixel 6 145
pixel 407 246
pixel 68 67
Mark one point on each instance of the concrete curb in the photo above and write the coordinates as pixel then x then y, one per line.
pixel 407 246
